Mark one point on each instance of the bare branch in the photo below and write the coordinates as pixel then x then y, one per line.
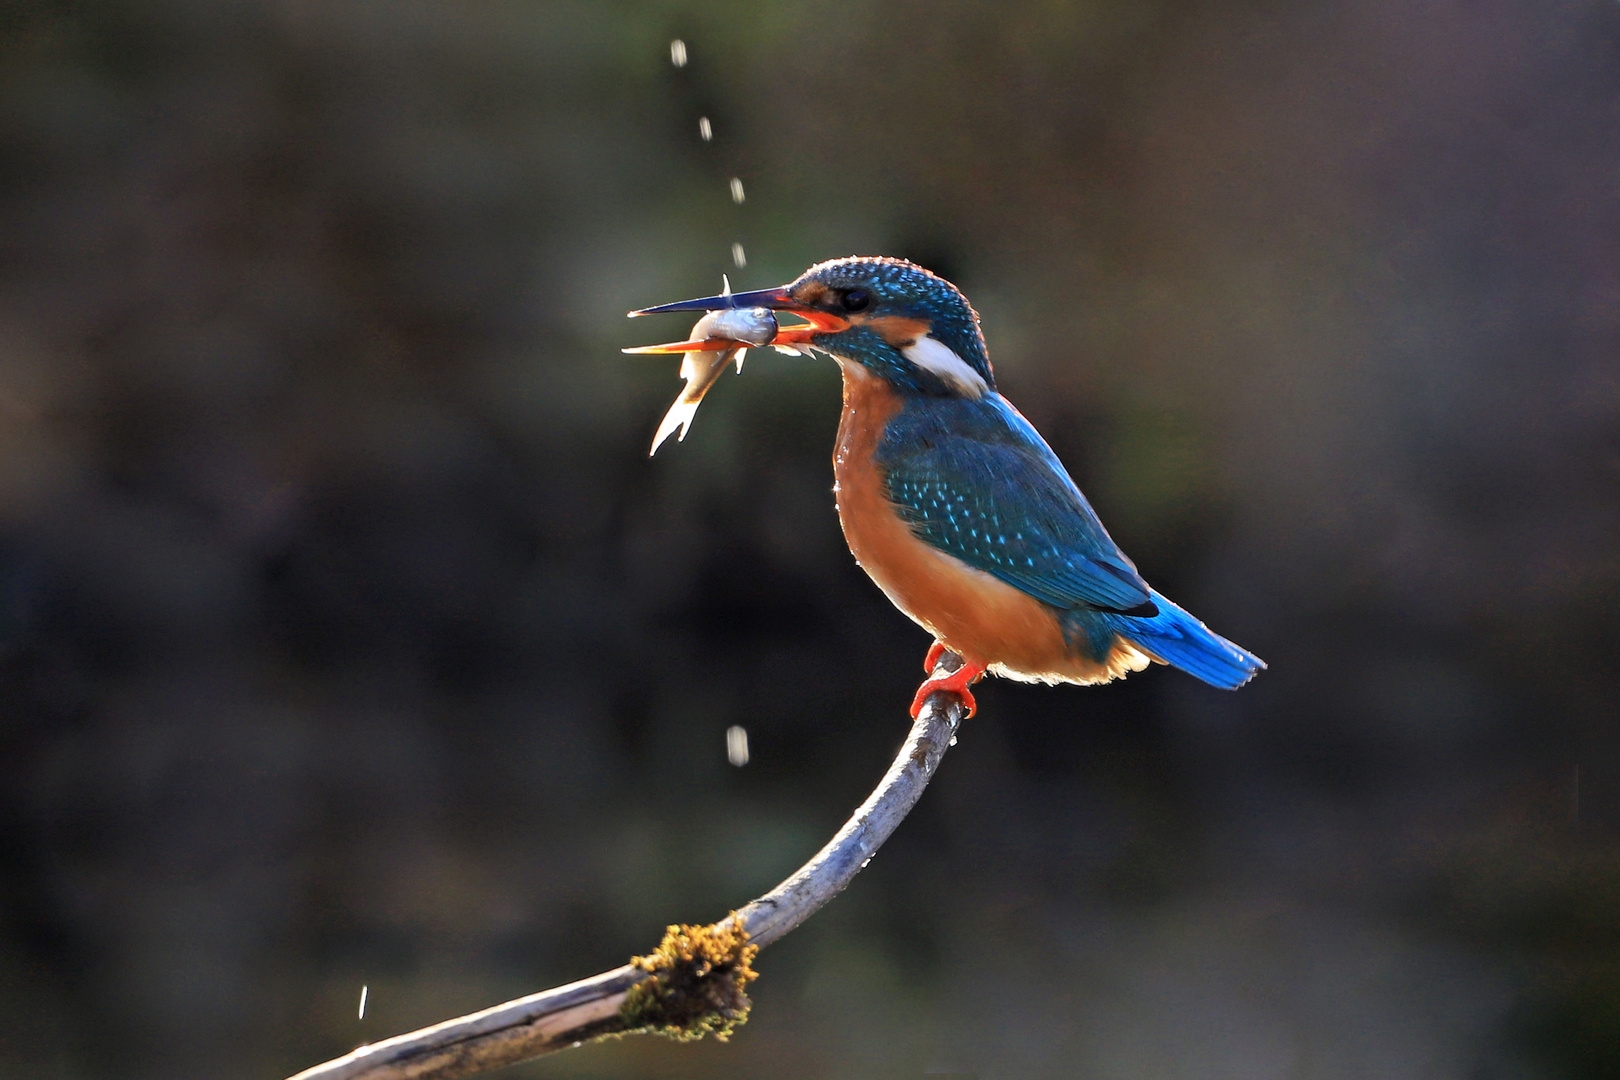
pixel 616 1002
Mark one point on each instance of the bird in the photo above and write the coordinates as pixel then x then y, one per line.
pixel 955 505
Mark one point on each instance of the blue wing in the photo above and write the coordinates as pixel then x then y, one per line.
pixel 976 480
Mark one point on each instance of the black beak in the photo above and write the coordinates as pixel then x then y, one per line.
pixel 776 299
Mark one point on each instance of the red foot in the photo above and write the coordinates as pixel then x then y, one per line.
pixel 935 651
pixel 956 683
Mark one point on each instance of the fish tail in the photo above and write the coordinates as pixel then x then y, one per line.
pixel 679 416
pixel 700 370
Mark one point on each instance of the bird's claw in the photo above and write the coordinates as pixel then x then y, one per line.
pixel 955 682
pixel 935 651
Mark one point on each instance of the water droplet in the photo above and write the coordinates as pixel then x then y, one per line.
pixel 953 740
pixel 738 256
pixel 677 52
pixel 736 191
pixel 737 745
pixel 363 991
pixel 705 129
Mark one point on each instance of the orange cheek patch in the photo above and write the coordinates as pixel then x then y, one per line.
pixel 898 330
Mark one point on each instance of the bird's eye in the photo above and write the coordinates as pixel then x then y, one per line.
pixel 857 300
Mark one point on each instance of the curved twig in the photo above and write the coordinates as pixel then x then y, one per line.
pixel 602 1005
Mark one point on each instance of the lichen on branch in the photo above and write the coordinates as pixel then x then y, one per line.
pixel 699 983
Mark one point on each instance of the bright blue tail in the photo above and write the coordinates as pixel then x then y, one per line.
pixel 1182 641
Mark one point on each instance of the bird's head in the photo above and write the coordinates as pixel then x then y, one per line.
pixel 894 319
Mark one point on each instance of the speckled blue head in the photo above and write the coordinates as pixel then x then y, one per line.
pixel 896 320
pixel 899 321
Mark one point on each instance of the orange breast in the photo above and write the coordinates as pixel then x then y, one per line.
pixel 973 613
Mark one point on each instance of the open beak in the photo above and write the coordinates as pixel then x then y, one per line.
pixel 777 299
pixel 714 344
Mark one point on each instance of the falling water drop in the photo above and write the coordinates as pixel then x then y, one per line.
pixel 363 991
pixel 736 191
pixel 705 129
pixel 677 53
pixel 737 745
pixel 738 256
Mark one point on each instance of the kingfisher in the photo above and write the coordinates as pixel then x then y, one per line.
pixel 953 503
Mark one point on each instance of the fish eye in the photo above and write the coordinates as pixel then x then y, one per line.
pixel 857 300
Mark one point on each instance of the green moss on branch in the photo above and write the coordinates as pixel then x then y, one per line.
pixel 700 976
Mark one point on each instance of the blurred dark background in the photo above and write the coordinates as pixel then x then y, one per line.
pixel 348 637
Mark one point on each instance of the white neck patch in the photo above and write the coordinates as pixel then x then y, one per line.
pixel 933 355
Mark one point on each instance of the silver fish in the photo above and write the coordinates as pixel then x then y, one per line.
pixel 747 327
